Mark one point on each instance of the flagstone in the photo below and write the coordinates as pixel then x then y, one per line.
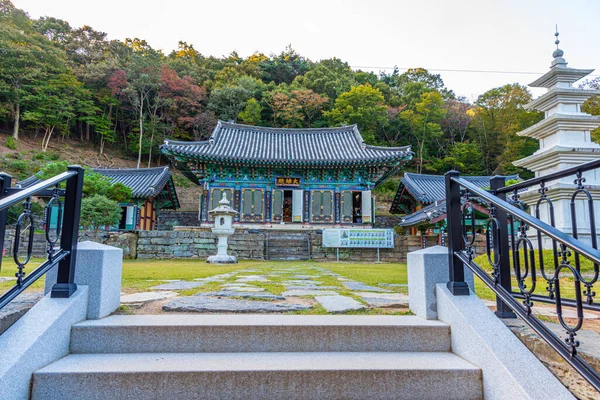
pixel 307 292
pixel 243 289
pixel 339 303
pixel 144 297
pixel 229 293
pixel 310 287
pixel 384 299
pixel 215 304
pixel 353 285
pixel 178 285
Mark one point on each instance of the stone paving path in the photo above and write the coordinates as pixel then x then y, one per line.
pixel 271 288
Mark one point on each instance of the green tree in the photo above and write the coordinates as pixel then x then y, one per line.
pixel 328 77
pixel 98 212
pixel 362 105
pixel 229 101
pixel 93 182
pixel 424 123
pixel 55 102
pixel 283 68
pixel 408 87
pixel 251 114
pixel 497 116
pixel 592 105
pixel 27 60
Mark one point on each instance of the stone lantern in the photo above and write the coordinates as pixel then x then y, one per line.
pixel 223 217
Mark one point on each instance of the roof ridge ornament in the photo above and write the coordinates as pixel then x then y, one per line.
pixel 558 53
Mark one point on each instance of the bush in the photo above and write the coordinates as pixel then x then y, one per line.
pixel 11 143
pixel 98 212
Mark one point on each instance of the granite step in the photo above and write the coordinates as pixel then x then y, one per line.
pixel 258 333
pixel 300 375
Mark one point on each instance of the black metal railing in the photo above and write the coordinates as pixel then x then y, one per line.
pixel 61 241
pixel 511 252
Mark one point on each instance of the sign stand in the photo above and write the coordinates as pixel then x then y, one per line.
pixel 337 253
pixel 378 255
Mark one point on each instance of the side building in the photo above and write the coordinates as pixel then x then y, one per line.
pixel 287 176
pixel 152 190
pixel 421 199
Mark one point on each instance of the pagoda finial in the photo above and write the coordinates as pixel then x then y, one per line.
pixel 558 53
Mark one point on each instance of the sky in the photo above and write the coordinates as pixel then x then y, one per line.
pixel 374 35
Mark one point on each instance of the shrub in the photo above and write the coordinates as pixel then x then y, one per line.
pixel 99 212
pixel 11 143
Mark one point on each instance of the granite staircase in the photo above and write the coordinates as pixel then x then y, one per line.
pixel 288 245
pixel 259 357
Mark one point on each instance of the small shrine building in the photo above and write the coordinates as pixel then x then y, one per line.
pixel 421 198
pixel 152 190
pixel 287 176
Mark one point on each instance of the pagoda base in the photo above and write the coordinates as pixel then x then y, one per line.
pixel 560 194
pixel 222 259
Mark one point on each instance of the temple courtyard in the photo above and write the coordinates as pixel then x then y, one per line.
pixel 296 287
pixel 277 286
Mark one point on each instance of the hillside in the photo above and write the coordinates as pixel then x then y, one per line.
pixel 28 159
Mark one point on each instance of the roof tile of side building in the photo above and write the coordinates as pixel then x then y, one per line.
pixel 143 182
pixel 431 188
pixel 425 215
pixel 310 146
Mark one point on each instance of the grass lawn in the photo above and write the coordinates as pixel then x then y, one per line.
pixel 567 288
pixel 140 275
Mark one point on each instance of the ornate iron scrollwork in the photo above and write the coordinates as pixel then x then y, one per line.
pixel 467 211
pixel 54 202
pixel 26 216
pixel 579 181
pixel 492 243
pixel 544 199
pixel 571 331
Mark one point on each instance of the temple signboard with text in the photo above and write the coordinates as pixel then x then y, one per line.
pixel 358 238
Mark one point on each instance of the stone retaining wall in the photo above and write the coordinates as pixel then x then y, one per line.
pixel 246 245
pixel 169 219
pixel 198 244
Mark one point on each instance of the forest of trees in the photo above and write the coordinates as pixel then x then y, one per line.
pixel 60 81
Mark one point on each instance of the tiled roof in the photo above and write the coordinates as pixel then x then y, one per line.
pixel 430 188
pixel 143 182
pixel 425 215
pixel 25 183
pixel 236 143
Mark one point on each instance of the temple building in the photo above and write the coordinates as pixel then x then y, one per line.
pixel 565 141
pixel 421 199
pixel 287 176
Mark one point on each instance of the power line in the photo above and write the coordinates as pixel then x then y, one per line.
pixel 457 70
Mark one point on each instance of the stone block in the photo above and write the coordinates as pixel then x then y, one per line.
pixel 203 240
pixel 100 267
pixel 163 241
pixel 37 339
pixel 426 268
pixel 510 370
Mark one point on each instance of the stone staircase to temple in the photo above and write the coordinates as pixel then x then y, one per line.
pixel 259 357
pixel 288 245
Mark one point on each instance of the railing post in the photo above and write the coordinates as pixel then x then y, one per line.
pixel 456 283
pixel 5 181
pixel 502 310
pixel 65 281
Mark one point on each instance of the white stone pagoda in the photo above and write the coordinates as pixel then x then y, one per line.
pixel 565 141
